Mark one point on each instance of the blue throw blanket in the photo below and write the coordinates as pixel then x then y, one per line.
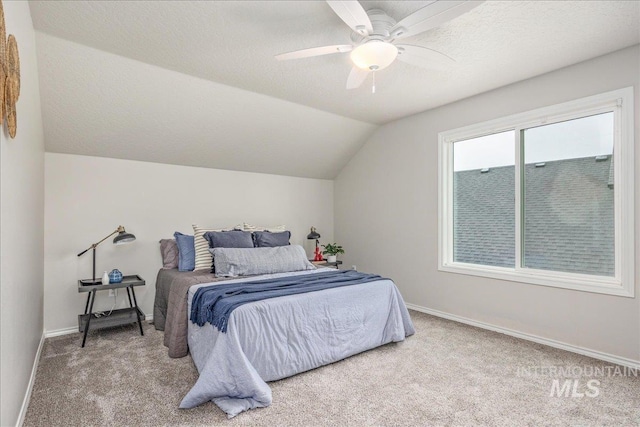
pixel 215 303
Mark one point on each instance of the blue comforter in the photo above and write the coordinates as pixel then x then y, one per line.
pixel 275 338
pixel 215 303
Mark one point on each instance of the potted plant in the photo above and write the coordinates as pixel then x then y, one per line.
pixel 332 250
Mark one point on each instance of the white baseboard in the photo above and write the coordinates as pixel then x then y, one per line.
pixel 634 364
pixel 32 379
pixel 58 332
pixel 74 329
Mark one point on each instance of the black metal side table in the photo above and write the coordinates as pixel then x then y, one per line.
pixel 122 316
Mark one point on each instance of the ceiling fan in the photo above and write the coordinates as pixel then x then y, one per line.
pixel 375 34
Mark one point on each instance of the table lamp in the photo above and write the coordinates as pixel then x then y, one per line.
pixel 315 235
pixel 121 238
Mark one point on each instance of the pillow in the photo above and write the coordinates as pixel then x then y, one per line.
pixel 248 227
pixel 186 252
pixel 230 262
pixel 169 251
pixel 267 239
pixel 203 257
pixel 229 239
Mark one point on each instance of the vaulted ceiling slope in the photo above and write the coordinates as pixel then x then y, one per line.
pixel 99 104
pixel 196 83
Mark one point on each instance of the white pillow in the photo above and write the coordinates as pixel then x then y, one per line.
pixel 248 227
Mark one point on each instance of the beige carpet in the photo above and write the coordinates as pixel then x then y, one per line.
pixel 446 374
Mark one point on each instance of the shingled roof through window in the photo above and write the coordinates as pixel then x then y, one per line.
pixel 569 221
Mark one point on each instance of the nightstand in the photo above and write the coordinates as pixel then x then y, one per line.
pixel 335 265
pixel 122 316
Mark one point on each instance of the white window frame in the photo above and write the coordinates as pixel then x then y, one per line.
pixel 622 283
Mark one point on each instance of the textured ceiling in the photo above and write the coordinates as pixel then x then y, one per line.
pixel 198 45
pixel 99 104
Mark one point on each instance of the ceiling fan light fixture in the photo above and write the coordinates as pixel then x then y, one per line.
pixel 374 55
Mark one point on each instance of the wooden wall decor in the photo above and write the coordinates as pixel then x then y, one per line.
pixel 12 84
pixel 9 77
pixel 3 68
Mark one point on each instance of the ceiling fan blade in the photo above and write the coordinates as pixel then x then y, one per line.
pixel 431 16
pixel 352 13
pixel 424 57
pixel 315 51
pixel 356 77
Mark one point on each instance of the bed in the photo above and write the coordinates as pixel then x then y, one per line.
pixel 270 339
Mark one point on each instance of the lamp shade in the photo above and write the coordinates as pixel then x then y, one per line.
pixel 123 237
pixel 314 235
pixel 374 55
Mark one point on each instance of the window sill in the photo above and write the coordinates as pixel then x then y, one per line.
pixel 577 282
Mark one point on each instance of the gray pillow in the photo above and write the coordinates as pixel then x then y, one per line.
pixel 229 239
pixel 266 239
pixel 169 251
pixel 230 262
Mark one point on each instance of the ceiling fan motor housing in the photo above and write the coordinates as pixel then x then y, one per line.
pixel 381 23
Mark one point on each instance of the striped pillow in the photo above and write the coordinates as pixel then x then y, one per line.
pixel 203 257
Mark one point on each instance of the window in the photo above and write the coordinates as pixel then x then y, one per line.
pixel 484 228
pixel 543 197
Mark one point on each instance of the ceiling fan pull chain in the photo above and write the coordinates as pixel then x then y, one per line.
pixel 373 87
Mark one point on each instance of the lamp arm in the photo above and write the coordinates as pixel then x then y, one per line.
pixel 85 251
pixel 96 244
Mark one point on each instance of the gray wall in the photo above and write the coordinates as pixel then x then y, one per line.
pixel 21 225
pixel 173 198
pixel 386 216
